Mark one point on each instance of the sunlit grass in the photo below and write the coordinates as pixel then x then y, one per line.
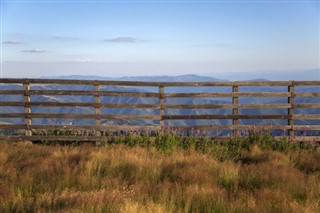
pixel 132 178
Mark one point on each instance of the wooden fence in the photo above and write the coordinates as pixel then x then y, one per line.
pixel 161 117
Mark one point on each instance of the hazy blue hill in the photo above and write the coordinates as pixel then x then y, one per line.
pixel 272 75
pixel 180 78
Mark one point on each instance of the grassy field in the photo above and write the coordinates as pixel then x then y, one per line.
pixel 119 177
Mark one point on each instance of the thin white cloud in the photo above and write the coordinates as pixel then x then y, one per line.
pixel 123 40
pixel 12 42
pixel 34 51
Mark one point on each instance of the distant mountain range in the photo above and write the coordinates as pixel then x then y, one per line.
pixel 263 75
pixel 179 78
pixel 273 75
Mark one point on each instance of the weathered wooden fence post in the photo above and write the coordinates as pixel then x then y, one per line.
pixel 235 110
pixel 161 102
pixel 97 105
pixel 27 108
pixel 291 109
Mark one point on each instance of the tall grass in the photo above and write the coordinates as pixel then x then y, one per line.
pixel 149 175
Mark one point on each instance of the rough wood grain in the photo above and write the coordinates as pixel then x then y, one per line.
pixel 233 127
pixel 157 84
pixel 79 104
pixel 27 109
pixel 96 88
pixel 235 111
pixel 84 116
pixel 227 94
pixel 291 110
pixel 161 103
pixel 90 93
pixel 306 94
pixel 191 117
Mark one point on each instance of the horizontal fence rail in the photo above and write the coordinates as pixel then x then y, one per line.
pixel 20 102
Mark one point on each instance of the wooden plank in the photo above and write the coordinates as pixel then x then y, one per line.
pixel 78 93
pixel 54 138
pixel 263 106
pixel 13 126
pixel 232 127
pixel 191 117
pixel 306 105
pixel 307 94
pixel 156 106
pixel 90 93
pixel 12 115
pixel 228 83
pixel 12 92
pixel 157 84
pixel 198 106
pixel 306 127
pixel 130 106
pixel 92 127
pixel 225 106
pixel 84 116
pixel 80 82
pixel 306 116
pixel 12 103
pixel 79 104
pixel 48 104
pixel 129 128
pixel 135 116
pixel 148 94
pixel 306 83
pixel 227 94
pixel 65 127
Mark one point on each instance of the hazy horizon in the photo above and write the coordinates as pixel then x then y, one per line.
pixel 150 38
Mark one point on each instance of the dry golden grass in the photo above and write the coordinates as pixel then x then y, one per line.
pixel 117 178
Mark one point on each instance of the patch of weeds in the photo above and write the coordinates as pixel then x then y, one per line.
pixel 250 182
pixel 170 172
pixel 253 156
pixel 203 144
pixel 206 204
pixel 166 142
pixel 300 196
pixel 306 161
pixel 126 171
pixel 228 176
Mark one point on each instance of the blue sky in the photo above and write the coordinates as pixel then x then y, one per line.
pixel 121 38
